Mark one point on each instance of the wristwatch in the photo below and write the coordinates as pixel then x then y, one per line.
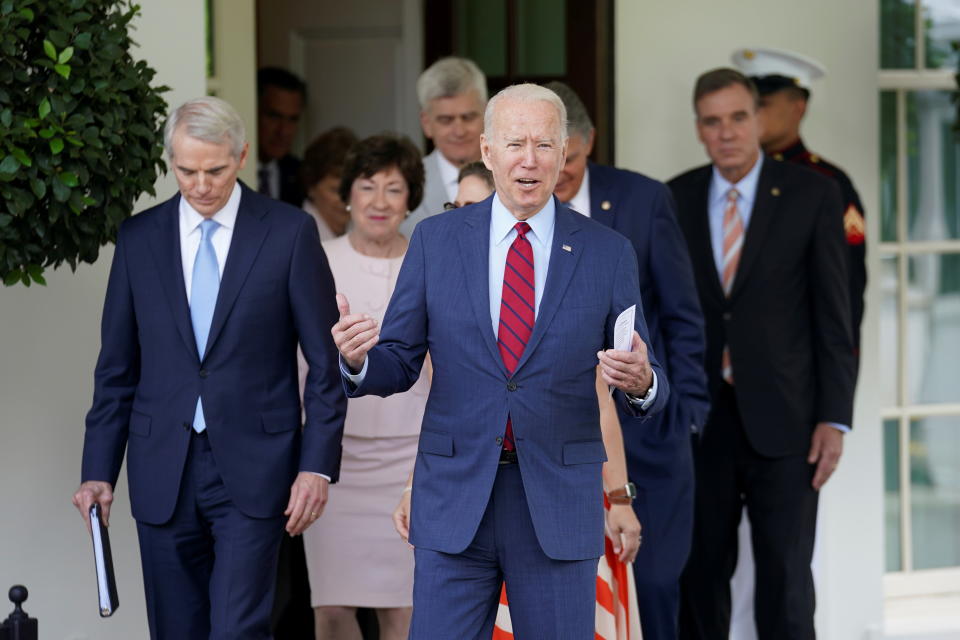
pixel 623 495
pixel 640 400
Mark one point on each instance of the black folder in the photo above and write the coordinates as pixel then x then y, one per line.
pixel 106 580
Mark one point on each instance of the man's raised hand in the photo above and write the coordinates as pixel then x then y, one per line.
pixel 354 335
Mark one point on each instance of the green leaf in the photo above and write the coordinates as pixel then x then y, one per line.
pixel 68 178
pixel 44 108
pixel 65 55
pixel 50 50
pixel 6 117
pixel 27 14
pixel 56 146
pixel 12 278
pixel 63 70
pixel 9 165
pixel 75 141
pixel 5 220
pixel 21 155
pixel 47 133
pixel 61 192
pixel 39 187
pixel 82 41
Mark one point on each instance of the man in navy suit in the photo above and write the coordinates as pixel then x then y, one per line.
pixel 208 297
pixel 515 298
pixel 659 457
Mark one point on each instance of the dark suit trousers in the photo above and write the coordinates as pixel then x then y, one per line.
pixel 663 473
pixel 209 572
pixel 456 596
pixel 783 510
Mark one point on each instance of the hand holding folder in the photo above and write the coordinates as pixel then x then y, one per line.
pixel 106 580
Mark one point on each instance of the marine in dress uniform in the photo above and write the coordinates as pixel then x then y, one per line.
pixel 783 80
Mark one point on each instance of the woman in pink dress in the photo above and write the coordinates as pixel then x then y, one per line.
pixel 354 558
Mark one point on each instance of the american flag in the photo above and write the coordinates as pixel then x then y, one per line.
pixel 617 614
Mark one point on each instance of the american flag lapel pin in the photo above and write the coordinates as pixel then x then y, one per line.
pixel 567 248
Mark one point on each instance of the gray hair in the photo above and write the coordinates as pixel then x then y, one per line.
pixel 526 93
pixel 578 120
pixel 209 119
pixel 449 77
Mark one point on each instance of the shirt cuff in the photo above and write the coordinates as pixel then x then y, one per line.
pixel 322 475
pixel 644 403
pixel 842 428
pixel 356 379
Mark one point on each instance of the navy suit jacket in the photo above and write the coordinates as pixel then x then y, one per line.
pixel 642 209
pixel 276 290
pixel 441 304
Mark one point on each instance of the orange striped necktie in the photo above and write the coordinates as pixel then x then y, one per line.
pixel 732 246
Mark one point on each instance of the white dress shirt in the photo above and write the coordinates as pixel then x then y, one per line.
pixel 190 234
pixel 449 174
pixel 581 202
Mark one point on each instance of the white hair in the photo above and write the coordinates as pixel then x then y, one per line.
pixel 449 77
pixel 209 119
pixel 526 93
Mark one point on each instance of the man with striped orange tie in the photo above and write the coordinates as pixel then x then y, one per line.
pixel 768 251
pixel 516 298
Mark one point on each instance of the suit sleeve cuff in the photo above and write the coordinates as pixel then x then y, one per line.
pixel 842 428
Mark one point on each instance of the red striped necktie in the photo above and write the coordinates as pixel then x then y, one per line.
pixel 516 309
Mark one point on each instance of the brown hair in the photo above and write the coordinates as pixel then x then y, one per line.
pixel 325 155
pixel 717 79
pixel 380 152
pixel 478 169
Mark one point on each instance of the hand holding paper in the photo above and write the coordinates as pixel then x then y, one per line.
pixel 626 366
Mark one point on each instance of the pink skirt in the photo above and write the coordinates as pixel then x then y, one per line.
pixel 355 558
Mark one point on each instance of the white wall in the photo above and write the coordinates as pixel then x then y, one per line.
pixel 49 338
pixel 660 49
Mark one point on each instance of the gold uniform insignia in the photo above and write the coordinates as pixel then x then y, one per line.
pixel 853 225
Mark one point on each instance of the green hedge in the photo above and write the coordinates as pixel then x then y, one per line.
pixel 80 131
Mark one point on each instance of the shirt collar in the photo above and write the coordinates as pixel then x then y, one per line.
pixel 581 202
pixel 541 223
pixel 746 187
pixel 448 171
pixel 190 219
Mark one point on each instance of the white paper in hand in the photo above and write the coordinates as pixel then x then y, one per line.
pixel 623 329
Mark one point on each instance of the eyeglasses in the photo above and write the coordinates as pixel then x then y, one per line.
pixel 447 206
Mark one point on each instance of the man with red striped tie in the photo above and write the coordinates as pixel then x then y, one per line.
pixel 767 244
pixel 516 298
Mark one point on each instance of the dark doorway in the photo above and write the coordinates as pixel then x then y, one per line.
pixel 533 41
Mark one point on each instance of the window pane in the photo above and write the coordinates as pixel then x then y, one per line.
pixel 888 166
pixel 897 34
pixel 889 338
pixel 942 24
pixel 891 492
pixel 935 491
pixel 482 34
pixel 541 38
pixel 932 167
pixel 933 328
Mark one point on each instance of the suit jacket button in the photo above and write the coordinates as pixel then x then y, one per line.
pixel 511 386
pixel 204 373
pixel 186 426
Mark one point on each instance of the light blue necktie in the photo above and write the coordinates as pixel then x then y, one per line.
pixel 203 298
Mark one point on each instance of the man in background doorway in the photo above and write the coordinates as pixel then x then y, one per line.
pixel 281 98
pixel 453 95
pixel 659 458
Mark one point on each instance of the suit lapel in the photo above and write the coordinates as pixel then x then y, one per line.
pixel 701 249
pixel 764 210
pixel 600 193
pixel 564 256
pixel 475 254
pixel 248 235
pixel 165 246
